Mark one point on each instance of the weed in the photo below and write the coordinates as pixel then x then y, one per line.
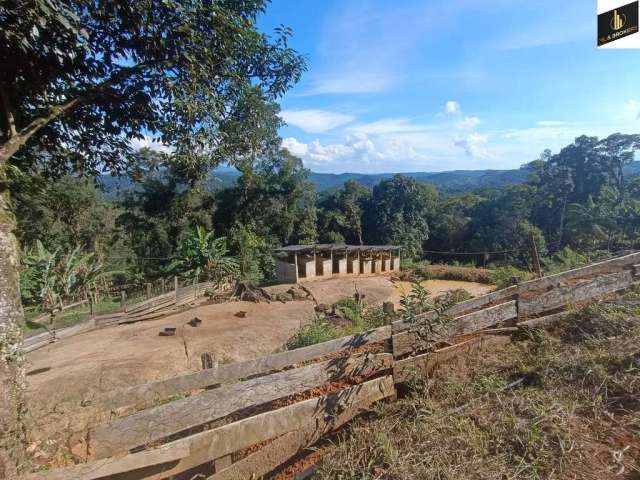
pixel 503 277
pixel 319 330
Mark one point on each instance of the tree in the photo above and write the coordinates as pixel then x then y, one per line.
pixel 254 255
pixel 275 197
pixel 579 170
pixel 201 253
pixel 81 79
pixel 398 214
pixel 341 213
pixel 59 276
pixel 590 222
pixel 500 222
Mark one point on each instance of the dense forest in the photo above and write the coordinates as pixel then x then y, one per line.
pixel 578 199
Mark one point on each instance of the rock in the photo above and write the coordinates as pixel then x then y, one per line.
pixel 322 308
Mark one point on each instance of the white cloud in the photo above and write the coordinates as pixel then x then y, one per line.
pixel 474 145
pixel 315 121
pixel 452 107
pixel 295 147
pixel 149 142
pixel 468 123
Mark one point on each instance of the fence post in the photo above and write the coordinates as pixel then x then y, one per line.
pixel 91 311
pixel 148 291
pixel 195 288
pixel 162 280
pixel 175 287
pixel 534 253
pixel 123 300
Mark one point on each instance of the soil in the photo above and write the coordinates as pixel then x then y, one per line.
pixel 80 367
pixel 438 287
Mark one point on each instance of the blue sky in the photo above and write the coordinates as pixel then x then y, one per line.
pixel 407 85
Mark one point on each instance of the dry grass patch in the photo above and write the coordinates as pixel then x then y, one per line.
pixel 574 414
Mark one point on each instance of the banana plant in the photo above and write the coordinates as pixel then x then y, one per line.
pixel 201 253
pixel 60 277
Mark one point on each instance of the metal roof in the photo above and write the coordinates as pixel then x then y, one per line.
pixel 334 246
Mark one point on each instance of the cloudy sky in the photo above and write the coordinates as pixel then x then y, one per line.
pixel 437 85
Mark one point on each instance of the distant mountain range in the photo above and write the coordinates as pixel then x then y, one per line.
pixel 455 181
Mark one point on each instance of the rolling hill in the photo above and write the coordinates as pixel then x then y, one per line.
pixel 455 181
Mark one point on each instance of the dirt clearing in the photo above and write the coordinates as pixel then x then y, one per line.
pixel 82 366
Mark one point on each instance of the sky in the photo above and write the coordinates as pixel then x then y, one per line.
pixel 436 85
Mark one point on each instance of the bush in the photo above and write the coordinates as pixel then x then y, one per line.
pixel 318 331
pixel 454 272
pixel 504 277
pixel 362 317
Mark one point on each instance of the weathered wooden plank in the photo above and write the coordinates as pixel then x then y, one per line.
pixel 287 446
pixel 108 467
pixel 151 302
pixel 43 339
pixel 150 393
pixel 566 295
pixel 418 339
pixel 607 266
pixel 157 423
pixel 152 307
pixel 189 452
pixel 405 370
pixel 544 321
pixel 463 307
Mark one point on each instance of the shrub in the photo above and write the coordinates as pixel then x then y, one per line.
pixel 503 277
pixel 318 331
pixel 454 272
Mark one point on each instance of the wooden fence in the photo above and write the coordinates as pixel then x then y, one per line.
pixel 243 420
pixel 149 309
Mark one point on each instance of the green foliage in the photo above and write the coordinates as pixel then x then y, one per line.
pixel 275 198
pixel 201 253
pixel 503 277
pixel 318 331
pixel 255 259
pixel 415 302
pixel 87 77
pixel 565 259
pixel 398 214
pixel 363 317
pixel 53 278
pixel 340 216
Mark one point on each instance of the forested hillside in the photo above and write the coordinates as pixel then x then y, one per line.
pixel 583 198
pixel 457 181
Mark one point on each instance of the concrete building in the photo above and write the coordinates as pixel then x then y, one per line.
pixel 300 263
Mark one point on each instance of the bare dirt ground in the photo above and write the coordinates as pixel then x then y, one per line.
pixel 79 367
pixel 438 287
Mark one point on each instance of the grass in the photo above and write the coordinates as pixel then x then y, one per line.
pixel 461 273
pixel 358 317
pixel 503 277
pixel 70 316
pixel 576 413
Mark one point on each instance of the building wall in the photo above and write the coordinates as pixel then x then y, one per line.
pixel 339 266
pixel 286 272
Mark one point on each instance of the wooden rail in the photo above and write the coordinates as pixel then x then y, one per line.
pixel 245 419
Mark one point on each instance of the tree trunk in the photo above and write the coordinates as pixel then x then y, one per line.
pixel 13 406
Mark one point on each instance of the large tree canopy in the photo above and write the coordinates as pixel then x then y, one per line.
pixel 80 78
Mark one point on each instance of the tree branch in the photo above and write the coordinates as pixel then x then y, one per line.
pixel 10 124
pixel 18 138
